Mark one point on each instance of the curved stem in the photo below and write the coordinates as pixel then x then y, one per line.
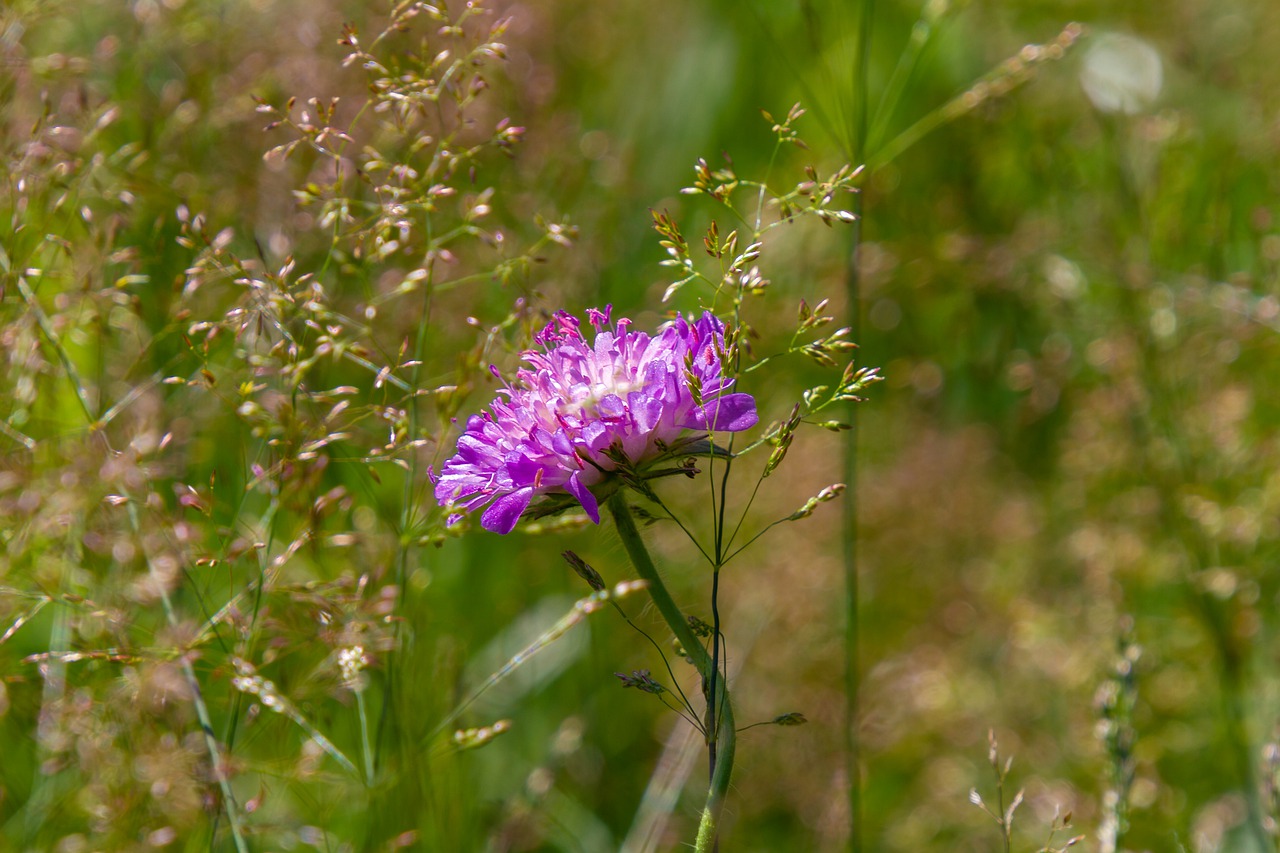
pixel 667 606
pixel 723 740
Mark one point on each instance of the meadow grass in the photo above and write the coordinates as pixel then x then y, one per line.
pixel 231 616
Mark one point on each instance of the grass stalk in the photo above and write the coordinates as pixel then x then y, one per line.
pixel 849 530
pixel 73 373
pixel 202 710
pixel 365 746
pixel 54 678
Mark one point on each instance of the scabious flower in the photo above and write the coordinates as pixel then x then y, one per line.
pixel 577 410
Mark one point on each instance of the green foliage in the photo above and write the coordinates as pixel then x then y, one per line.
pixel 225 379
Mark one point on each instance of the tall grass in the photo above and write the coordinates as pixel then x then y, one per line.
pixel 224 620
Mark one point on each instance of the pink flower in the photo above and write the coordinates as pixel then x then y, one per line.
pixel 577 409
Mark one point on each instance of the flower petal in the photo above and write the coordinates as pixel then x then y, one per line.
pixel 730 413
pixel 646 410
pixel 502 514
pixel 576 488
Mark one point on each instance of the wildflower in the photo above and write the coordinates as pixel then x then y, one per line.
pixel 352 662
pixel 577 411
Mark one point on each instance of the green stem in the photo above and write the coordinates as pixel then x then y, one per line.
pixel 216 762
pixel 849 531
pixel 42 319
pixel 364 738
pixel 724 737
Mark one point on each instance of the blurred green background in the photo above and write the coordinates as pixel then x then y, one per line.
pixel 1070 285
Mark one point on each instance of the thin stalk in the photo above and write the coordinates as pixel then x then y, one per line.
pixel 73 374
pixel 712 744
pixel 25 440
pixel 849 553
pixel 408 512
pixel 675 682
pixel 364 738
pixel 267 523
pixel 713 681
pixel 908 60
pixel 202 710
pixel 849 530
pixel 671 515
pixel 54 676
pixel 1006 831
pixel 724 736
pixel 931 121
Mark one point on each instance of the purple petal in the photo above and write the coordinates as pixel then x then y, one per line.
pixel 611 406
pixel 521 467
pixel 561 444
pixel 584 496
pixel 730 413
pixel 709 324
pixel 597 435
pixel 645 410
pixel 502 514
pixel 604 344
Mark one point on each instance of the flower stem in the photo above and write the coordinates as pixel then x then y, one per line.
pixel 722 741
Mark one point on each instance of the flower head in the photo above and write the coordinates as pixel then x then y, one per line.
pixel 577 410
